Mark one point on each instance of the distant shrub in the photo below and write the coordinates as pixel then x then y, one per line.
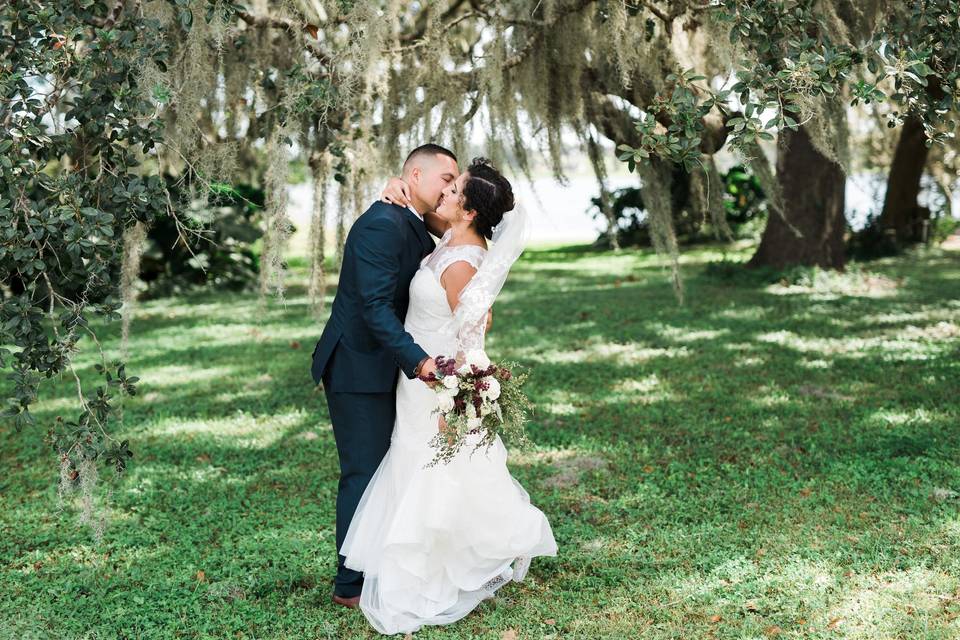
pixel 744 203
pixel 221 255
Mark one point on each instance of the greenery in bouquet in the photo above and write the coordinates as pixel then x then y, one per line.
pixel 477 397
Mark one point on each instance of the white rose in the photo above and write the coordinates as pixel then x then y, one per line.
pixel 478 358
pixel 451 382
pixel 474 423
pixel 464 369
pixel 444 402
pixel 485 409
pixel 492 392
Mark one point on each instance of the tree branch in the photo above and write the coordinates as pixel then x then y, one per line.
pixel 420 29
pixel 640 94
pixel 519 56
pixel 613 122
pixel 273 22
pixel 425 41
pixel 677 8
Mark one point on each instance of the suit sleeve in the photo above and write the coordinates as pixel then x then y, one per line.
pixel 377 254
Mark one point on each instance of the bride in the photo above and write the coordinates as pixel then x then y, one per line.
pixel 433 542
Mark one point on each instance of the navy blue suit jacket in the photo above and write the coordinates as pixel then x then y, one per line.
pixel 363 342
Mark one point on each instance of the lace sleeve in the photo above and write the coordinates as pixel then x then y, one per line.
pixel 472 312
pixel 470 317
pixel 470 331
pixel 463 253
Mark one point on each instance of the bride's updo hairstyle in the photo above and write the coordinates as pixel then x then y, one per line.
pixel 488 193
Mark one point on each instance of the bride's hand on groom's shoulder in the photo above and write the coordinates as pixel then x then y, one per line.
pixel 396 192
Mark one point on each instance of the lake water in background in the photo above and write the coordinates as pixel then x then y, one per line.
pixel 560 213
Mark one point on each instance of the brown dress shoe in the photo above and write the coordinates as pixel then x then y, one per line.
pixel 350 603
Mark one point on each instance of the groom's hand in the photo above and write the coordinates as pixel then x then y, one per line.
pixel 428 373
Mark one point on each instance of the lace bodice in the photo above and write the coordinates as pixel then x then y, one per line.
pixel 429 318
pixel 444 256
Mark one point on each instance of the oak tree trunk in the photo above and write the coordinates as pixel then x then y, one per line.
pixel 901 217
pixel 813 203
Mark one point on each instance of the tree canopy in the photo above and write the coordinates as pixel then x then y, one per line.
pixel 115 113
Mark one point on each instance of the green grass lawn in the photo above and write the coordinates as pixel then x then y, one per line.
pixel 767 460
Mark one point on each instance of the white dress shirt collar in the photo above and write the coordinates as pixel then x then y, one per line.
pixel 417 213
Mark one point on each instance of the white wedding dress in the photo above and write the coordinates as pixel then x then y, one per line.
pixel 432 543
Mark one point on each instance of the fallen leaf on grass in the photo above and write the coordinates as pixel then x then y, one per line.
pixel 833 623
pixel 509 634
pixel 715 619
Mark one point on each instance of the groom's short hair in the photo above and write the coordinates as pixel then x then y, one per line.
pixel 428 149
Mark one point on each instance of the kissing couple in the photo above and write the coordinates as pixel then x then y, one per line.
pixel 421 545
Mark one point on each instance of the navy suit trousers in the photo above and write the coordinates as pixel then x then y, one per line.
pixel 362 426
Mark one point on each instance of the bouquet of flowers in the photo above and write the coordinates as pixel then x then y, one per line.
pixel 477 397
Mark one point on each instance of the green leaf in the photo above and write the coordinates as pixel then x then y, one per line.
pixel 186 18
pixel 920 67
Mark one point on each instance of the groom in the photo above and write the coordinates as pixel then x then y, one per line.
pixel 364 343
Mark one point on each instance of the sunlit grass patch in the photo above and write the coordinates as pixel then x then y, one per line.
pixel 821 284
pixel 893 344
pixel 241 429
pixel 617 353
pixel 913 603
pixel 645 385
pixel 888 417
pixel 559 408
pixel 686 334
pixel 175 375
